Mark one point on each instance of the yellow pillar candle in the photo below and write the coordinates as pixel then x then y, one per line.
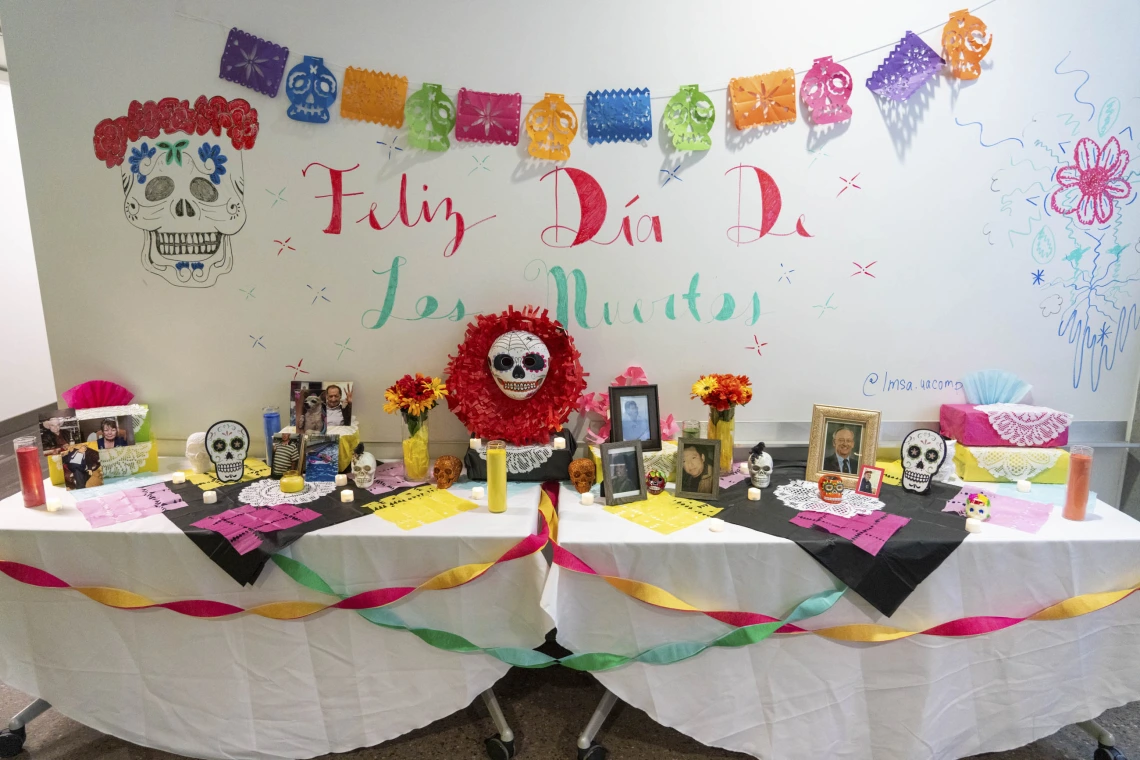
pixel 497 476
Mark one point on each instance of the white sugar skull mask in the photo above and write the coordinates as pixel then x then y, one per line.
pixel 922 454
pixel 363 470
pixel 760 468
pixel 227 443
pixel 519 362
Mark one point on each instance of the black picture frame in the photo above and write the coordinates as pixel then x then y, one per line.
pixel 630 449
pixel 619 395
pixel 705 444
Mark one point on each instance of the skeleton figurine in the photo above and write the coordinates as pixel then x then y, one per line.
pixel 197 454
pixel 583 473
pixel 446 471
pixel 760 466
pixel 228 444
pixel 922 454
pixel 519 362
pixel 363 467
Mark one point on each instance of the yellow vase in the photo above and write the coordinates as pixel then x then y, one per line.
pixel 416 458
pixel 722 427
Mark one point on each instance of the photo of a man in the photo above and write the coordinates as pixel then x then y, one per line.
pixel 338 404
pixel 623 473
pixel 845 439
pixel 635 419
pixel 870 481
pixel 697 469
pixel 58 431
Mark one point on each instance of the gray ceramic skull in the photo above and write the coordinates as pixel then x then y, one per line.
pixel 760 466
pixel 363 470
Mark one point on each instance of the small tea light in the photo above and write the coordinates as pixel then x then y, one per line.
pixel 347 495
pixel 209 497
pixel 559 443
pixel 973 525
pixel 1024 486
pixel 716 525
pixel 587 499
pixel 54 505
pixel 743 468
pixel 179 477
pixel 476 443
pixel 754 494
pixel 341 479
pixel 478 492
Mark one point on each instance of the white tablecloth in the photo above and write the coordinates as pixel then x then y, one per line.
pixel 248 687
pixel 805 696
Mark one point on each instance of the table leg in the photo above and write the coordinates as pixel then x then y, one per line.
pixel 1106 742
pixel 12 738
pixel 588 749
pixel 501 746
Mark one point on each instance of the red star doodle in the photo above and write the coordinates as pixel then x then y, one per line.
pixel 848 183
pixel 758 345
pixel 297 368
pixel 863 268
pixel 284 245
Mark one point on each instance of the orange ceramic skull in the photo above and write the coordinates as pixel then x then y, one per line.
pixel 446 471
pixel 831 489
pixel 583 473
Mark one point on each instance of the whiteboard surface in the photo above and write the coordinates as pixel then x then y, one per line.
pixel 950 225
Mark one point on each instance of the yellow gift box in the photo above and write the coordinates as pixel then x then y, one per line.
pixel 1009 464
pixel 664 461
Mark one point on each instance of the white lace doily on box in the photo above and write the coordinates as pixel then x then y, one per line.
pixel 1024 425
pixel 804 496
pixel 1015 464
pixel 268 493
pixel 522 459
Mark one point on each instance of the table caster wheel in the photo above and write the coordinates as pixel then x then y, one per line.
pixel 497 749
pixel 11 742
pixel 595 752
pixel 1102 753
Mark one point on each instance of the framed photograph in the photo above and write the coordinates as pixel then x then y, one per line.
pixel 317 405
pixel 634 415
pixel 108 432
pixel 320 455
pixel 870 480
pixel 842 441
pixel 698 468
pixel 623 472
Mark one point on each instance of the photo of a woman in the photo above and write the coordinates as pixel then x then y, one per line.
pixel 109 437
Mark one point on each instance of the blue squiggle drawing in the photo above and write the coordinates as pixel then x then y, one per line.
pixel 1082 84
pixel 981 128
pixel 1028 231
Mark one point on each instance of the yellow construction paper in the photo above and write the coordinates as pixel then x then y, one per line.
pixel 419 506
pixel 664 513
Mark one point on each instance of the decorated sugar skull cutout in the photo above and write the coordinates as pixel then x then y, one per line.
pixel 519 362
pixel 363 469
pixel 922 454
pixel 978 507
pixel 311 89
pixel 689 115
pixel 831 489
pixel 446 471
pixel 227 443
pixel 825 90
pixel 583 474
pixel 760 466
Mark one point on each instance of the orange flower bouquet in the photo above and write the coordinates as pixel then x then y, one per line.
pixel 414 397
pixel 722 393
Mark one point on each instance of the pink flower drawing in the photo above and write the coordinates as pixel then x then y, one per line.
pixel 1098 178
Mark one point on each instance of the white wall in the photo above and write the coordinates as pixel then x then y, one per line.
pixel 25 366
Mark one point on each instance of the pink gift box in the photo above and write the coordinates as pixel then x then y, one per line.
pixel 969 427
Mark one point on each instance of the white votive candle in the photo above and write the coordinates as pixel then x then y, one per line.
pixel 754 494
pixel 341 479
pixel 476 443
pixel 346 495
pixel 716 525
pixel 1024 486
pixel 743 468
pixel 209 497
pixel 53 505
pixel 559 442
pixel 478 492
pixel 587 499
pixel 179 477
pixel 973 525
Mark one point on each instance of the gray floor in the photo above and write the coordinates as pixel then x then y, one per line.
pixel 546 709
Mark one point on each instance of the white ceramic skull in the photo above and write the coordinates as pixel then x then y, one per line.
pixel 363 470
pixel 922 454
pixel 197 454
pixel 228 443
pixel 519 362
pixel 760 466
pixel 187 195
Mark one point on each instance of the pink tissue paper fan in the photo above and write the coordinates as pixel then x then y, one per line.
pixel 95 393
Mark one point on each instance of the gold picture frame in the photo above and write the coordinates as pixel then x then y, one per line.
pixel 858 431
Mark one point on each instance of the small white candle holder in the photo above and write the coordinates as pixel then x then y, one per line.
pixel 476 443
pixel 754 494
pixel 54 505
pixel 209 497
pixel 347 495
pixel 341 479
pixel 478 493
pixel 587 499
pixel 179 477
pixel 716 525
pixel 1024 486
pixel 559 443
pixel 973 525
pixel 743 468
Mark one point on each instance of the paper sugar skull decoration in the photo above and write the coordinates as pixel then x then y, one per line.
pixel 519 362
pixel 906 68
pixel 825 90
pixel 551 125
pixel 831 489
pixel 373 96
pixel 516 377
pixel 760 466
pixel 922 454
pixel 689 117
pixel 965 44
pixel 253 62
pixel 430 115
pixel 181 184
pixel 583 474
pixel 654 482
pixel 978 507
pixel 311 89
pixel 446 471
pixel 227 443
pixel 764 99
pixel 363 468
pixel 197 454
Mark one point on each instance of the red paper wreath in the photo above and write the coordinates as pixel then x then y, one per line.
pixel 486 411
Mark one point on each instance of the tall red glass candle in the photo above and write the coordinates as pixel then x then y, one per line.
pixel 31 473
pixel 1080 471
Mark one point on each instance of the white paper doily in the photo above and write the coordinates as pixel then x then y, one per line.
pixel 1015 464
pixel 266 493
pixel 804 496
pixel 1024 425
pixel 523 459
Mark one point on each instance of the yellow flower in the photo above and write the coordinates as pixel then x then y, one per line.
pixel 392 401
pixel 437 388
pixel 416 408
pixel 704 386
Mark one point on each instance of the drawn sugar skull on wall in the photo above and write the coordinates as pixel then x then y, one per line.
pixel 183 184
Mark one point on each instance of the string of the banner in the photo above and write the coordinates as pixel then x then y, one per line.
pixel 580 99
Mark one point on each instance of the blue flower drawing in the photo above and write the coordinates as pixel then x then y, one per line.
pixel 207 152
pixel 138 154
